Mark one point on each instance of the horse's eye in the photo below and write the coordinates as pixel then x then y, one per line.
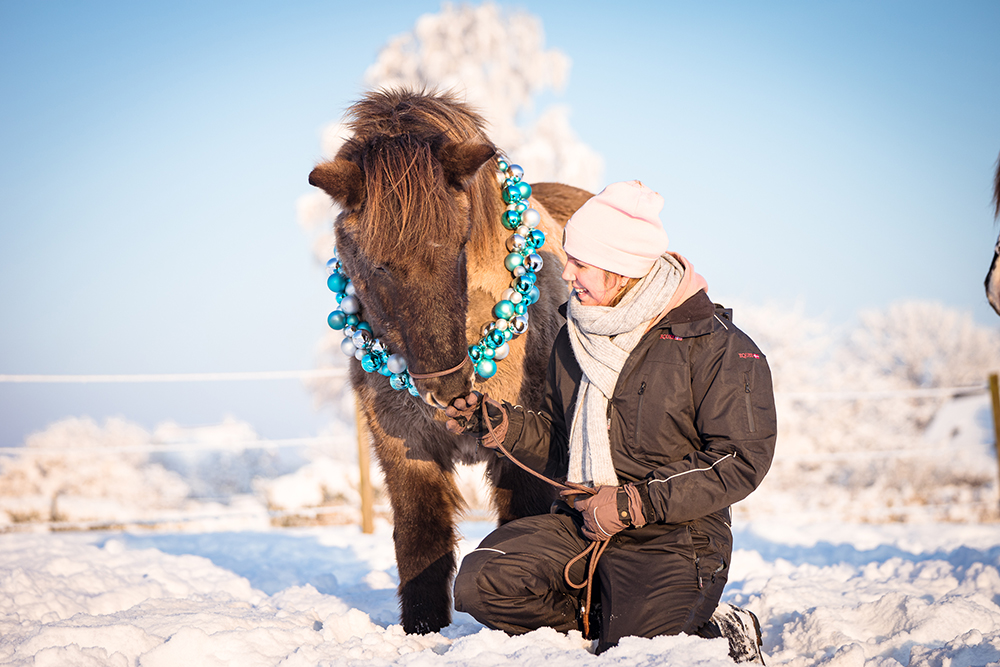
pixel 381 269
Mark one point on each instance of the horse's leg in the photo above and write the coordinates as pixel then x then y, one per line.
pixel 424 502
pixel 516 494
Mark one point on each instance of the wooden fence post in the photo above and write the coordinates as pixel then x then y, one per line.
pixel 364 467
pixel 995 392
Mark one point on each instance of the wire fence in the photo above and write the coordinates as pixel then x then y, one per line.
pixel 290 517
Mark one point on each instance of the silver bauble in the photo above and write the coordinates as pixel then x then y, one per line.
pixel 350 305
pixel 519 324
pixel 534 262
pixel 396 363
pixel 347 347
pixel 501 352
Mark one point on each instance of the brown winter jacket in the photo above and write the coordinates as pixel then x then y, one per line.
pixel 692 420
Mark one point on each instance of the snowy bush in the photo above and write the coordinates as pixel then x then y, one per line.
pixel 77 470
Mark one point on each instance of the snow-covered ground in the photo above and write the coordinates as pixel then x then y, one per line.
pixel 826 594
pixel 849 557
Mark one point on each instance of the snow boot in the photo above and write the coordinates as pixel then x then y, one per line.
pixel 741 629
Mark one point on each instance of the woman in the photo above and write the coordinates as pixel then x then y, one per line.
pixel 656 401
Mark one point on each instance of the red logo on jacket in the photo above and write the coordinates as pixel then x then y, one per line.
pixel 749 355
pixel 669 336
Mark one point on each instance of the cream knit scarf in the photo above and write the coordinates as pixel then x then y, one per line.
pixel 602 338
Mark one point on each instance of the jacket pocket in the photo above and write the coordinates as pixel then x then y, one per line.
pixel 638 412
pixel 747 393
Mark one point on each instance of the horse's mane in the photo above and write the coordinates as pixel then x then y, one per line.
pixel 396 136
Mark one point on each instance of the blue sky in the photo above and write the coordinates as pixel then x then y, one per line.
pixel 838 155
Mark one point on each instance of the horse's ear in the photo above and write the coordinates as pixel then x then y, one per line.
pixel 342 180
pixel 461 161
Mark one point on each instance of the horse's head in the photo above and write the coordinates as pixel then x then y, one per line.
pixel 411 189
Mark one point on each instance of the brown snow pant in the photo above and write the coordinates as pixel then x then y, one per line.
pixel 652 581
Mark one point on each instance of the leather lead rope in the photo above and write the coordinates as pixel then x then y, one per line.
pixel 594 549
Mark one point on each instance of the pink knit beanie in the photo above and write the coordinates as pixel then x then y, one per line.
pixel 618 230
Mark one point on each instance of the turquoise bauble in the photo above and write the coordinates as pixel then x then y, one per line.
pixel 352 321
pixel 495 339
pixel 521 308
pixel 513 260
pixel 371 362
pixel 475 352
pixel 337 282
pixel 486 368
pixel 511 220
pixel 523 190
pixel 384 370
pixel 397 381
pixel 507 335
pixel 337 320
pixel 364 325
pixel 533 295
pixel 413 391
pixel 503 165
pixel 536 238
pixel 504 310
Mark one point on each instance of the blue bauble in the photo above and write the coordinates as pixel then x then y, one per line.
pixel 511 220
pixel 337 320
pixel 371 362
pixel 495 339
pixel 337 282
pixel 352 321
pixel 413 391
pixel 364 325
pixel 533 295
pixel 384 370
pixel 486 368
pixel 397 381
pixel 503 310
pixel 536 238
pixel 513 260
pixel 475 352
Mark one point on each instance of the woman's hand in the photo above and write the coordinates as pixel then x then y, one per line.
pixel 609 511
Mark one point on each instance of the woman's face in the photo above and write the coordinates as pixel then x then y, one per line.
pixel 591 285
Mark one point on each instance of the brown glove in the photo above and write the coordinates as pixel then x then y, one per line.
pixel 465 416
pixel 609 511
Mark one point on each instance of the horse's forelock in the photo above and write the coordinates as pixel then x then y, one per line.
pixel 395 136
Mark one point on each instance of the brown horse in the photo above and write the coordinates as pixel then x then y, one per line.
pixel 421 238
pixel 993 277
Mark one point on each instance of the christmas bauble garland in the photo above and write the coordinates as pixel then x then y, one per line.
pixel 511 312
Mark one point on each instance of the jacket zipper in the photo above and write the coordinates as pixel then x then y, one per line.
pixel 746 394
pixel 638 412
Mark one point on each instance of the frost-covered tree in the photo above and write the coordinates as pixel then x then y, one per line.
pixel 496 60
